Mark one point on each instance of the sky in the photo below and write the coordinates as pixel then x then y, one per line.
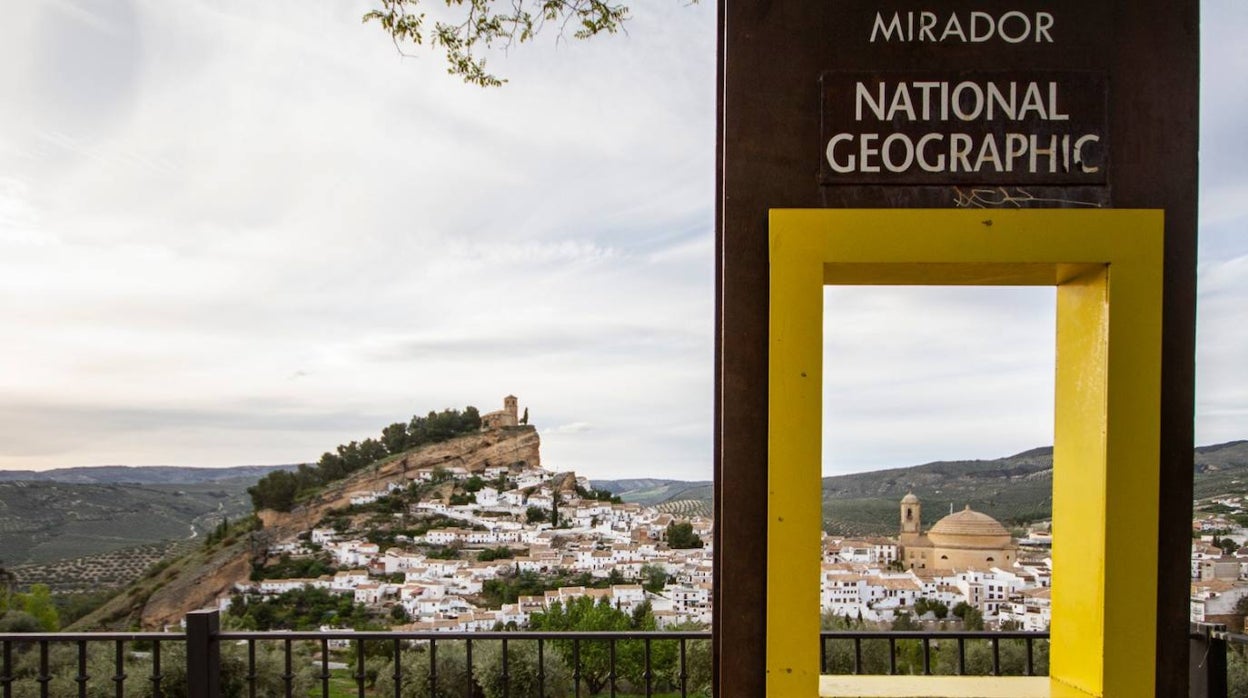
pixel 235 233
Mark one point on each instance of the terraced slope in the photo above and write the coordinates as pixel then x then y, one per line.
pixel 652 491
pixel 43 522
pixel 111 570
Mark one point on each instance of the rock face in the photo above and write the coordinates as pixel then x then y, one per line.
pixel 513 446
pixel 196 588
pixel 199 588
pixel 563 482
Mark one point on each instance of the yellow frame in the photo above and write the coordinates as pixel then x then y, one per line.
pixel 1107 267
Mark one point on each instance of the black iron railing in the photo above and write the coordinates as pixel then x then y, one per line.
pixel 508 645
pixel 35 650
pixel 205 662
pixel 1210 659
pixel 925 652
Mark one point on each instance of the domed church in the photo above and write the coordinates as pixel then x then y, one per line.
pixel 966 539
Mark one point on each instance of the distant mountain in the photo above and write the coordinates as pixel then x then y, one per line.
pixel 47 521
pixel 141 475
pixel 1016 489
pixel 1221 468
pixel 72 512
pixel 651 491
pixel 54 515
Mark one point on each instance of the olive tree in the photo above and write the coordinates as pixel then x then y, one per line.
pixel 471 26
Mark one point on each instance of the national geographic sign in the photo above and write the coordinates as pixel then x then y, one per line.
pixel 951 104
pixel 973 124
pixel 968 128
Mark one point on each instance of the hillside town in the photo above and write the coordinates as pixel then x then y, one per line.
pixel 472 533
pixel 965 562
pixel 431 546
pixel 508 520
pixel 426 546
pixel 544 530
pixel 966 559
pixel 499 522
pixel 628 543
pixel 1220 563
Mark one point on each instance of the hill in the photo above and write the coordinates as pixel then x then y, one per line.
pixel 677 497
pixel 195 580
pixel 651 491
pixel 102 571
pixel 142 475
pixel 1015 489
pixel 47 521
pixel 63 515
pixel 1222 469
pixel 67 517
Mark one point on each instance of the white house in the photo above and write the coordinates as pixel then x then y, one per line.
pixel 368 593
pixel 322 536
pixel 1030 608
pixel 396 560
pixel 487 497
pixel 1215 601
pixel 512 498
pixel 541 500
pixel 531 478
pixel 362 498
pixel 627 597
pixel 444 536
pixel 348 580
pixel 492 472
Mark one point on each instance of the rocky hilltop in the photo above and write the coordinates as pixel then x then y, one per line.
pixel 517 446
pixel 199 579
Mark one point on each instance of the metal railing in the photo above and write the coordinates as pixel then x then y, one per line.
pixel 914 651
pixel 543 642
pixel 1207 644
pixel 40 645
pixel 206 662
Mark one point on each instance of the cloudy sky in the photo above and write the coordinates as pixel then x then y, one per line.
pixel 237 232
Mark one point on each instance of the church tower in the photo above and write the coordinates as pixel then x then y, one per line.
pixel 911 516
pixel 511 405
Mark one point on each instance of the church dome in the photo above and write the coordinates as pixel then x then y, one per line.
pixel 969 529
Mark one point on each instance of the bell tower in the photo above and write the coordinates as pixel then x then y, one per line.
pixel 911 516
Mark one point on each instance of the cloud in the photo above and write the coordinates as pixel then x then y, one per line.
pixel 1221 345
pixel 1223 62
pixel 914 374
pixel 1222 282
pixel 571 428
pixel 245 232
pixel 33 431
pixel 272 193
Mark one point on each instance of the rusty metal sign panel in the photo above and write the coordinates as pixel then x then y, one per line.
pixel 970 127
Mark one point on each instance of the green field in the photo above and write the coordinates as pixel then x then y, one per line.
pixel 44 522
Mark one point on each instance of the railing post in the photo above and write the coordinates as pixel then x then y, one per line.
pixel 1207 678
pixel 203 654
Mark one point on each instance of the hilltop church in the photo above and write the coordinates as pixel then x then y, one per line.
pixel 509 416
pixel 967 539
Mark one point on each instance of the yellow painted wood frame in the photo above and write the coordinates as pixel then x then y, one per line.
pixel 1107 267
